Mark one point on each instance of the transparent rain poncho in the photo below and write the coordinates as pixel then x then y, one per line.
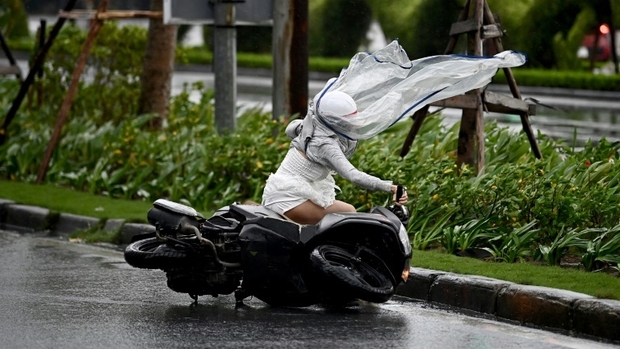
pixel 387 86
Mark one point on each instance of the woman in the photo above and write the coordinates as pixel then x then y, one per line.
pixel 303 188
pixel 387 87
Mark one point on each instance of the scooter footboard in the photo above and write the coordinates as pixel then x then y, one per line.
pixel 270 269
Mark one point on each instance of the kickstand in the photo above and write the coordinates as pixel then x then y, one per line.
pixel 240 295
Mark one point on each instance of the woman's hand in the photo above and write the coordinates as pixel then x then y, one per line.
pixel 403 198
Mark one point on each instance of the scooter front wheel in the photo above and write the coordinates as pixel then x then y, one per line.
pixel 152 254
pixel 350 275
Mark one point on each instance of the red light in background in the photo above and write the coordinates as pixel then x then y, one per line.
pixel 604 29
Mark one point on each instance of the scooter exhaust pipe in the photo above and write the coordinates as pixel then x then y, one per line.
pixel 208 242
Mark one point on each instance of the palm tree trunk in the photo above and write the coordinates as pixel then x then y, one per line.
pixel 157 69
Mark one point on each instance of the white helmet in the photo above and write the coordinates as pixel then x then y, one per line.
pixel 336 104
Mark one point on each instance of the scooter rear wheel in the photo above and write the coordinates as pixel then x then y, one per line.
pixel 350 275
pixel 152 254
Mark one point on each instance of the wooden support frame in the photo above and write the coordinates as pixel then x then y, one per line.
pixel 12 68
pixel 98 17
pixel 34 70
pixel 477 22
pixel 92 14
pixel 95 27
pixel 493 102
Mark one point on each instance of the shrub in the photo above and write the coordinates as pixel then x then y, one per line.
pixel 430 29
pixel 343 26
pixel 518 205
pixel 112 71
pixel 562 79
pixel 13 19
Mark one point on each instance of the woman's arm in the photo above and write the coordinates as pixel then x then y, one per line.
pixel 330 155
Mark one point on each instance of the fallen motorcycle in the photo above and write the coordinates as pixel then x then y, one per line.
pixel 250 250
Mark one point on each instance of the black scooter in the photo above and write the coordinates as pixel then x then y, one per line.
pixel 253 251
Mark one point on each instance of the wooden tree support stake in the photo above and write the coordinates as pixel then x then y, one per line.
pixel 512 83
pixel 418 118
pixel 77 14
pixel 66 104
pixel 13 68
pixel 36 66
pixel 477 22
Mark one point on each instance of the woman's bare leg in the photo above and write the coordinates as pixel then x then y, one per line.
pixel 311 213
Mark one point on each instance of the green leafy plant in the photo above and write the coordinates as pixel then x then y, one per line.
pixel 515 245
pixel 425 231
pixel 474 232
pixel 563 241
pixel 602 250
pixel 463 237
pixel 96 234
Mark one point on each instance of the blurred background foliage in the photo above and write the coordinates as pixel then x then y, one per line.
pixel 13 19
pixel 533 208
pixel 338 28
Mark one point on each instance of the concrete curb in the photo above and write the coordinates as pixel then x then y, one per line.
pixel 25 218
pixel 541 307
pixel 131 229
pixel 551 309
pixel 68 223
pixel 28 217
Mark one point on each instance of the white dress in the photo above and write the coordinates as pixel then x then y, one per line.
pixel 301 178
pixel 296 181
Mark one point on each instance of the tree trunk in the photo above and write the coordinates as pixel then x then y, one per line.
pixel 157 69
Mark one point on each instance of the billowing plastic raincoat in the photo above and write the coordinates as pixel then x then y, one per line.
pixel 387 86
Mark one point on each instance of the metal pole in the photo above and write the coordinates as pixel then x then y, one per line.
pixel 225 65
pixel 279 98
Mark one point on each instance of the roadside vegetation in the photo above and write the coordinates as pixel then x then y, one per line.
pixel 57 199
pixel 561 211
pixel 63 199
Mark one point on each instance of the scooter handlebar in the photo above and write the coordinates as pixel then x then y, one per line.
pixel 400 191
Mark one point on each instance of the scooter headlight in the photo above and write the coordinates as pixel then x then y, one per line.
pixel 406 270
pixel 404 239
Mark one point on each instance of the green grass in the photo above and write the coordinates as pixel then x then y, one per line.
pixel 66 200
pixel 599 285
pixel 94 235
pixel 69 201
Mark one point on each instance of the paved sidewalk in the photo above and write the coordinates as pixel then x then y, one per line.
pixel 554 310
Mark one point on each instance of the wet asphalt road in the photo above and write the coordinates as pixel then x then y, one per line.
pixel 55 294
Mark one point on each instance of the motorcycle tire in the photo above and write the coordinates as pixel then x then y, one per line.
pixel 351 275
pixel 152 254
